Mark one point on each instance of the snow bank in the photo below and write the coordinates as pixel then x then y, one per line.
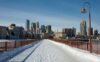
pixel 17 40
pixel 7 40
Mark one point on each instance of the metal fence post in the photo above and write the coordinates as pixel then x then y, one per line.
pixel 6 46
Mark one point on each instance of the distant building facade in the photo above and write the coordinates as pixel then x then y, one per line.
pixel 15 32
pixel 33 28
pixel 69 32
pixel 37 28
pixel 48 29
pixel 3 32
pixel 43 29
pixel 74 32
pixel 96 32
pixel 90 31
pixel 27 25
pixel 58 35
pixel 83 29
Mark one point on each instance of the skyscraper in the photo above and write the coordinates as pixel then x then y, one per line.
pixel 90 31
pixel 27 25
pixel 43 29
pixel 48 29
pixel 95 32
pixel 33 27
pixel 83 30
pixel 37 28
pixel 74 32
pixel 69 32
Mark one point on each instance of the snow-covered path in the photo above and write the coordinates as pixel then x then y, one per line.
pixel 50 51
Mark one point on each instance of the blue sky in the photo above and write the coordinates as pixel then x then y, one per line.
pixel 58 13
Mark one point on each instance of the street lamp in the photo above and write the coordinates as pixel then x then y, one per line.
pixel 83 11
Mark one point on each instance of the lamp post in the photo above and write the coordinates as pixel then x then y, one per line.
pixel 83 11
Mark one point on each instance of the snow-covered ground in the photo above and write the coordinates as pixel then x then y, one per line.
pixel 50 51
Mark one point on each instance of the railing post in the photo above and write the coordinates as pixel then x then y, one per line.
pixel 6 46
pixel 87 46
pixel 15 44
pixel 20 43
pixel 90 46
pixel 77 44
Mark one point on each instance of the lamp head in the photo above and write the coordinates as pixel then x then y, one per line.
pixel 83 10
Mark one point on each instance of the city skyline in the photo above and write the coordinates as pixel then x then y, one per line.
pixel 59 14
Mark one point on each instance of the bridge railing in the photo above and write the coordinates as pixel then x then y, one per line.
pixel 85 45
pixel 6 45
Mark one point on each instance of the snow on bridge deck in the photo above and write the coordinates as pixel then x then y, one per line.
pixel 50 51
